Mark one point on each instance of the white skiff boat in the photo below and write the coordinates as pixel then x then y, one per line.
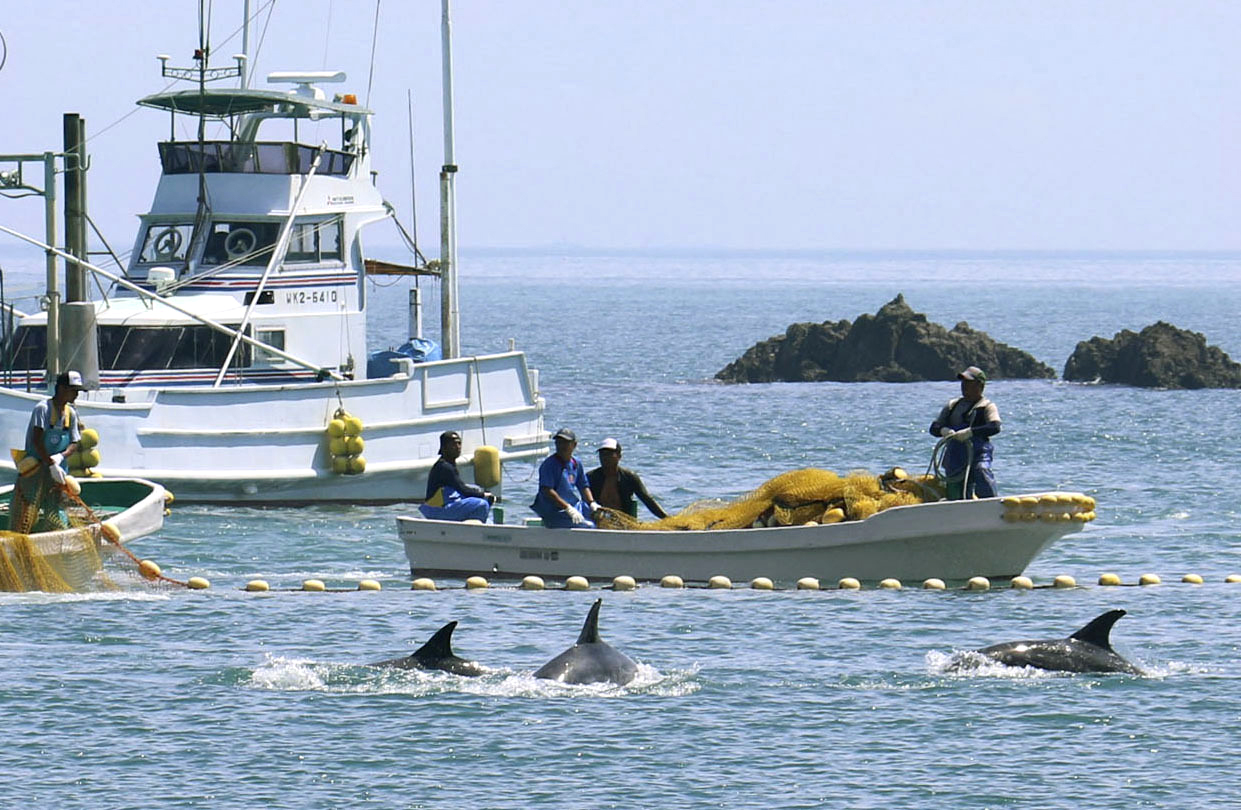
pixel 952 540
pixel 133 505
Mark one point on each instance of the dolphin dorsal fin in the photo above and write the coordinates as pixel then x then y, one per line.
pixel 590 630
pixel 1099 631
pixel 439 646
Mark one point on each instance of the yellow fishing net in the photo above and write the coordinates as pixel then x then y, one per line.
pixel 56 543
pixel 793 498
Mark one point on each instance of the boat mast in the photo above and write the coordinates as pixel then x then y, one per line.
pixel 449 308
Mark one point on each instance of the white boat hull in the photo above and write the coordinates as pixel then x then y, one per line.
pixel 952 540
pixel 264 444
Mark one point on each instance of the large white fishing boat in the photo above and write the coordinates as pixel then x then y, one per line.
pixel 238 329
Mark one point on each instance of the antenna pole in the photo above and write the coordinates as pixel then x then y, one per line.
pixel 450 310
pixel 245 44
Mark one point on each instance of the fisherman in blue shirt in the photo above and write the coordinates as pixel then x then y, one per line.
pixel 448 497
pixel 53 434
pixel 561 478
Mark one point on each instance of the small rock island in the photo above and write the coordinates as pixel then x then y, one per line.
pixel 1160 356
pixel 895 344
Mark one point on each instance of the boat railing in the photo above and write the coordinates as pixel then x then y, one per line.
pixel 238 157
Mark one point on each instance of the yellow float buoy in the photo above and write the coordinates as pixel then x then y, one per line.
pixel 198 583
pixel 369 585
pixel 1064 581
pixel 110 532
pixel 762 584
pixel 169 497
pixel 1232 579
pixel 1150 579
pixel 890 584
pixel 340 464
pixel 807 584
pixel 257 586
pixel 532 583
pixel 72 485
pixel 487 466
pixel 577 584
pixel 315 585
pixel 423 584
pixel 671 581
pixel 833 515
pixel 353 426
pixel 624 583
pixel 337 446
pixel 1192 579
pixel 354 445
pixel 849 584
pixel 149 569
pixel 1022 583
pixel 90 438
pixel 933 584
pixel 720 582
pixel 356 465
pixel 978 584
pixel 336 428
pixel 477 583
pixel 1109 579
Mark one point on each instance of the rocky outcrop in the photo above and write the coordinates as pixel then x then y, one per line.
pixel 895 344
pixel 1160 356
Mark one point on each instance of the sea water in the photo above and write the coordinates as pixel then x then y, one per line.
pixel 167 698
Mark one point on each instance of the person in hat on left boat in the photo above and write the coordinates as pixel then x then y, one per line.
pixel 448 497
pixel 52 435
pixel 564 498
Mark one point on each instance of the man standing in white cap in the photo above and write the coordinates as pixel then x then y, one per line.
pixel 53 434
pixel 970 420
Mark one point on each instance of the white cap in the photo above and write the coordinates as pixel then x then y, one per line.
pixel 73 379
pixel 610 444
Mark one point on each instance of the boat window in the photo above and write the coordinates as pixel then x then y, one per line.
pixel 166 242
pixel 273 338
pixel 314 241
pixel 28 348
pixel 127 348
pixel 182 157
pixel 241 243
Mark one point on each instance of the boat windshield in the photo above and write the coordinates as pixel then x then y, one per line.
pixel 241 243
pixel 166 242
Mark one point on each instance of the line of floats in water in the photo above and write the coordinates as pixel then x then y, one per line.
pixel 627 583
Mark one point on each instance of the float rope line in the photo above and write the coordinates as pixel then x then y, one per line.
pixel 94 518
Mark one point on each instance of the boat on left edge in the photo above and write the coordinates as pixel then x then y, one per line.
pixel 222 356
pixel 133 506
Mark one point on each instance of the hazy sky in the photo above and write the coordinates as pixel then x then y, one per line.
pixel 949 124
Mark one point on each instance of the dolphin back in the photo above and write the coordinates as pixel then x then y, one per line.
pixel 591 659
pixel 436 654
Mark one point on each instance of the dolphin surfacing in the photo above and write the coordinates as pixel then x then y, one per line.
pixel 591 659
pixel 1087 650
pixel 435 654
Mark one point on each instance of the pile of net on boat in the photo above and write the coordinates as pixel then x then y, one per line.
pixel 794 498
pixel 65 546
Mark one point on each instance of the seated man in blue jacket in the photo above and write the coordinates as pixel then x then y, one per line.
pixel 971 420
pixel 448 497
pixel 564 493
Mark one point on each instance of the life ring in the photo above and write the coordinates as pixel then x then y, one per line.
pixel 240 241
pixel 167 243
